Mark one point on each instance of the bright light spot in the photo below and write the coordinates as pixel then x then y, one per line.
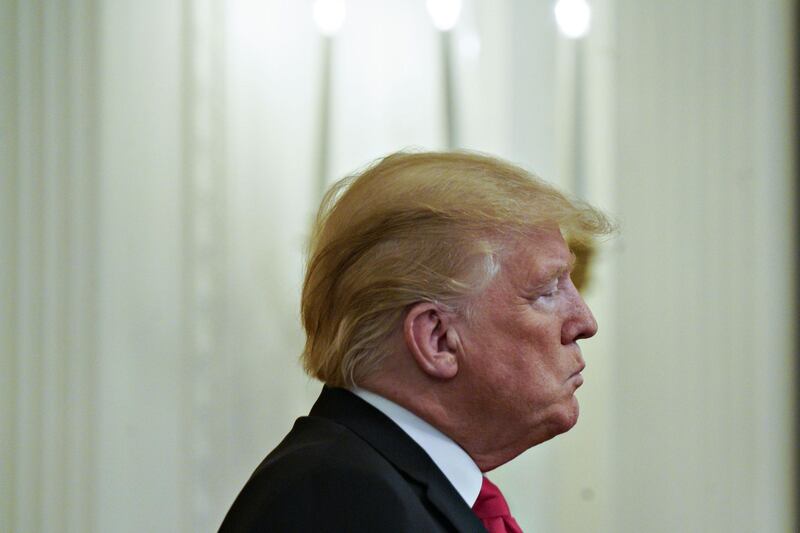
pixel 329 15
pixel 573 17
pixel 444 13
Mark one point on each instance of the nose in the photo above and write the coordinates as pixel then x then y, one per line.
pixel 580 323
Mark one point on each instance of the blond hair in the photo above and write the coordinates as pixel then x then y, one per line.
pixel 415 227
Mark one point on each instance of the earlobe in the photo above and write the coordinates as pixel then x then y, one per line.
pixel 431 341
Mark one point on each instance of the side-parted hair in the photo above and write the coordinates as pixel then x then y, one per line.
pixel 416 227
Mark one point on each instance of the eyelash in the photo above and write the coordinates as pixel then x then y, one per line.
pixel 554 291
pixel 550 294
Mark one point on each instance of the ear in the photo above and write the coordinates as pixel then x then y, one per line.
pixel 431 340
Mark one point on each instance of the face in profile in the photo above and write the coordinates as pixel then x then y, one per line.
pixel 520 351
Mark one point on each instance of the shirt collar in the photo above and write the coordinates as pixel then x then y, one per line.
pixel 457 466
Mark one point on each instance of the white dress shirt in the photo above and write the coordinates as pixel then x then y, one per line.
pixel 452 460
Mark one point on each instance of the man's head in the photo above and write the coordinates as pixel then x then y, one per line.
pixel 416 227
pixel 448 271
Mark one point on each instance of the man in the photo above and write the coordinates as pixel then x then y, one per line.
pixel 440 315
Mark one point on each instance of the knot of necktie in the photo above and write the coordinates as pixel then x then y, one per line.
pixel 491 508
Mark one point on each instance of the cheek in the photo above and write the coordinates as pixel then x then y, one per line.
pixel 539 353
pixel 515 342
pixel 534 332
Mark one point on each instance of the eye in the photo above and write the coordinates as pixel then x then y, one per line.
pixel 550 293
pixel 550 290
pixel 554 287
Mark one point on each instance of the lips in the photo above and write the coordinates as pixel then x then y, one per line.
pixel 576 376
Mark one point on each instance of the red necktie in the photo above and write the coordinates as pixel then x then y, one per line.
pixel 493 511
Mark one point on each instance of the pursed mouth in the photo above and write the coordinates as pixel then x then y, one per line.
pixel 577 373
pixel 580 369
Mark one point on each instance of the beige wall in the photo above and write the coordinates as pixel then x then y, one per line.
pixel 704 376
pixel 157 164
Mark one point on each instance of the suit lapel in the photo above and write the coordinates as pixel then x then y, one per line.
pixel 399 449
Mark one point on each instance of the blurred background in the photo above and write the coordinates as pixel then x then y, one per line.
pixel 161 162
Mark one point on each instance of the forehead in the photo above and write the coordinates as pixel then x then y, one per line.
pixel 539 255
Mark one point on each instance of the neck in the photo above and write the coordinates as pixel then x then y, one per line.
pixel 437 402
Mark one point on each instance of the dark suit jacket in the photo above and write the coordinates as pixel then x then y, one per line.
pixel 348 467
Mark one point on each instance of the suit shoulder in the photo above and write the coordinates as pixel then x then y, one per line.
pixel 324 477
pixel 320 443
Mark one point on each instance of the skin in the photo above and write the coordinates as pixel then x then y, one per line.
pixel 502 380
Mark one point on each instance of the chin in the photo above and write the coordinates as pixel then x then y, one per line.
pixel 560 418
pixel 567 416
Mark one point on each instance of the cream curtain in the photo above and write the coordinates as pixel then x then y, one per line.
pixel 157 165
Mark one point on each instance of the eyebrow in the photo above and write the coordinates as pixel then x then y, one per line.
pixel 558 271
